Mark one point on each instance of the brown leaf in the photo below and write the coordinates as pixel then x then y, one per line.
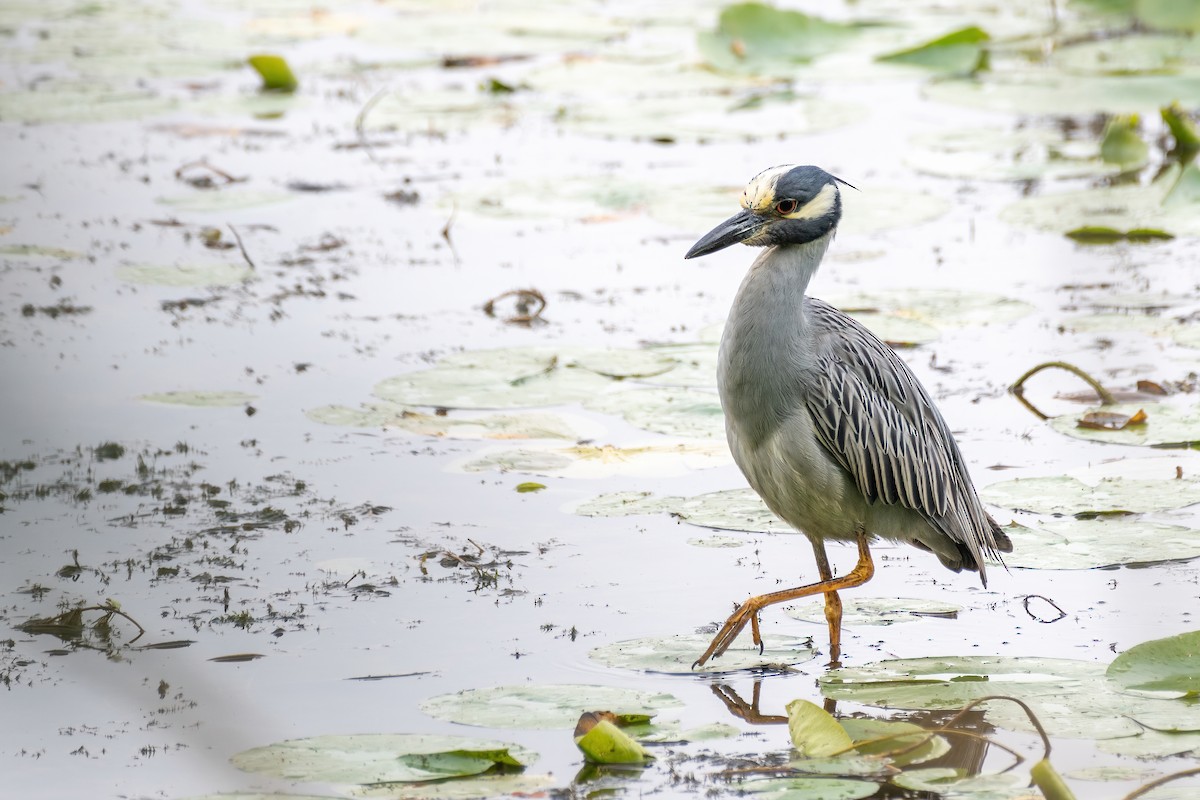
pixel 1111 421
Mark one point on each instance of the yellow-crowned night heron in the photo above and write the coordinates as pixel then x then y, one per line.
pixel 828 425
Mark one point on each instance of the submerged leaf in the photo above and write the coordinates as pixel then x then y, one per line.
pixel 1064 494
pixel 1171 664
pixel 1100 542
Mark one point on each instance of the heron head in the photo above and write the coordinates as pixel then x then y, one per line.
pixel 781 205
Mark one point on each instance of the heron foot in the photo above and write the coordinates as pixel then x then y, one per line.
pixel 747 612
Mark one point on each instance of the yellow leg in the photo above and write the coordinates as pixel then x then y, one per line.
pixel 747 612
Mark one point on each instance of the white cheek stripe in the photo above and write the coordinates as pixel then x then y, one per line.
pixel 819 206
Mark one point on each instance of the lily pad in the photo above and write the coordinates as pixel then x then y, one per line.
pixel 940 308
pixel 1167 205
pixel 506 378
pixel 753 37
pixel 590 461
pixel 673 411
pixel 214 200
pixel 1167 425
pixel 876 610
pixel 1025 154
pixel 1122 145
pixel 541 705
pixel 378 758
pixel 958 52
pixel 944 782
pixel 200 399
pixel 1069 495
pixel 730 509
pixel 1101 542
pixel 674 655
pixel 482 787
pixel 1171 664
pixel 1061 93
pixel 215 273
pixel 809 789
pixel 904 743
pixel 528 425
pixel 814 731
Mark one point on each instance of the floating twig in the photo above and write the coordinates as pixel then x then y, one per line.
pixel 242 247
pixel 205 181
pixel 1061 613
pixel 529 305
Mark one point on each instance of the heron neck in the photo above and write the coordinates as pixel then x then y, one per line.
pixel 787 269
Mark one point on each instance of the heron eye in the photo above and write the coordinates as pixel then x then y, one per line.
pixel 786 207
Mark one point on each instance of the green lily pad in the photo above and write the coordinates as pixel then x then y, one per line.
pixel 605 743
pixel 1166 426
pixel 541 705
pixel 614 363
pixel 1169 205
pixel 214 200
pixel 216 273
pixel 903 743
pixel 482 787
pixel 505 378
pixel 753 37
pixel 674 655
pixel 1122 145
pixel 275 73
pixel 1142 53
pixel 809 789
pixel 940 308
pixel 730 509
pixel 672 732
pixel 673 411
pixel 814 731
pixel 1171 665
pixel 1064 494
pixel 587 461
pixel 945 782
pixel 378 758
pixel 38 250
pixel 1060 93
pixel 997 155
pixel 695 365
pixel 527 425
pixel 200 399
pixel 897 330
pixel 1171 15
pixel 875 610
pixel 1100 542
pixel 84 102
pixel 959 52
pixel 1153 744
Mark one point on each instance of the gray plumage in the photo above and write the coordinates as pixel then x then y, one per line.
pixel 829 425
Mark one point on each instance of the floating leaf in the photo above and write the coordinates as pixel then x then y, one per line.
pixel 809 789
pixel 962 51
pixel 605 743
pixel 1168 426
pixel 876 610
pixel 540 706
pixel 1187 137
pixel 673 411
pixel 530 486
pixel 752 37
pixel 200 399
pixel 1122 145
pixel 1100 234
pixel 1171 15
pixel 1068 495
pixel 507 378
pixel 181 275
pixel 379 758
pixel 1171 665
pixel 1035 91
pixel 900 749
pixel 730 509
pixel 940 308
pixel 275 73
pixel 674 655
pixel 1111 421
pixel 223 200
pixel 1100 542
pixel 527 425
pixel 814 731
pixel 482 787
pixel 945 782
pixel 1028 153
pixel 587 461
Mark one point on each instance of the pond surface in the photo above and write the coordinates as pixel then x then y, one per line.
pixel 252 394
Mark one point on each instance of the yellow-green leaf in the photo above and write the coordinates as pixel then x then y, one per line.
pixel 815 733
pixel 605 743
pixel 275 73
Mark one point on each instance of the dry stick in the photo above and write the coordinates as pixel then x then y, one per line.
pixel 1154 784
pixel 242 247
pixel 109 611
pixel 1018 387
pixel 1061 613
